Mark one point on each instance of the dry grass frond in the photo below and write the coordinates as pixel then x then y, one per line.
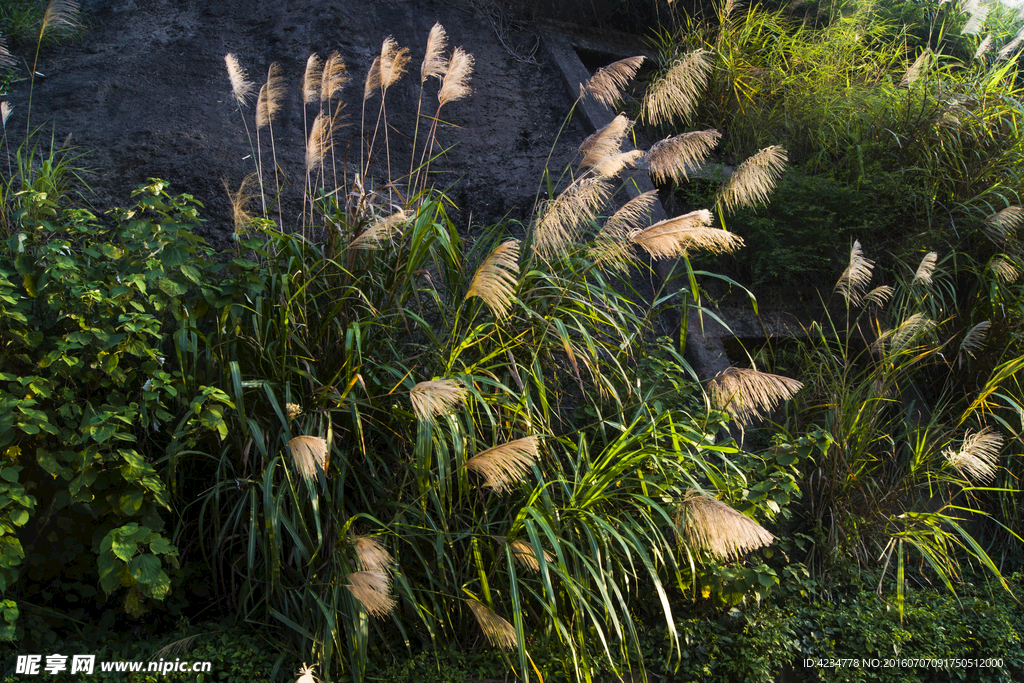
pixel 856 277
pixel 269 101
pixel 904 334
pixel 974 340
pixel 5 111
pixel 60 15
pixel 879 296
pixel 312 79
pixel 434 63
pixel 710 524
pixel 372 555
pixel 925 270
pixel 503 466
pixel 978 17
pixel 986 46
pixel 522 552
pixel 319 141
pixel 612 246
pixel 455 84
pixel 437 397
pixel 334 77
pixel 607 83
pixel 1002 225
pixel 680 154
pixel 970 7
pixel 560 218
pixel 674 237
pixel 6 60
pixel 754 179
pixel 495 279
pixel 611 167
pixel 978 455
pixel 675 95
pixel 309 454
pixel 393 62
pixel 247 192
pixel 373 591
pixel 306 674
pixel 605 142
pixel 292 410
pixel 1004 269
pixel 379 232
pixel 1006 51
pixel 499 632
pixel 916 69
pixel 748 394
pixel 372 84
pixel 241 87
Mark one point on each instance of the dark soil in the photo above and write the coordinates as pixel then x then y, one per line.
pixel 144 91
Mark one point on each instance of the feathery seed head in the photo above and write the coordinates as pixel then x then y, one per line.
pixel 372 80
pixel 1002 225
pixel 713 526
pixel 499 632
pixel 680 154
pixel 1004 269
pixel 560 219
pixel 605 142
pixel 674 237
pixel 523 553
pixel 919 66
pixel 613 246
pixel 292 410
pixel 6 60
pixel 60 15
pixel 434 63
pixel 268 104
pixel 611 167
pixel 373 591
pixel 334 77
pixel 247 192
pixel 903 335
pixel 241 87
pixel 978 17
pixel 306 674
pixel 503 466
pixel 924 271
pixel 309 453
pixel 978 455
pixel 319 141
pixel 455 84
pixel 393 61
pixel 754 179
pixel 607 83
pixel 437 397
pixel 879 295
pixel 985 46
pixel 856 277
pixel 5 111
pixel 372 555
pixel 311 79
pixel 1006 51
pixel 675 94
pixel 381 231
pixel 495 279
pixel 748 394
pixel 974 340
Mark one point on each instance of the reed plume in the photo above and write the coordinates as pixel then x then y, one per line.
pixel 381 231
pixel 675 237
pixel 613 247
pixel 856 277
pixel 372 555
pixel 60 15
pixel 241 86
pixel 903 335
pixel 611 167
pixel 310 455
pixel 505 465
pixel 978 17
pixel 559 218
pixel 524 555
pixel 1006 51
pixel 754 179
pixel 978 455
pixel 916 69
pixel 373 591
pixel 372 84
pixel 437 397
pixel 925 270
pixel 5 111
pixel 605 142
pixel 393 62
pixel 6 60
pixel 711 525
pixel 292 410
pixel 435 63
pixel 680 154
pixel 974 340
pixel 319 142
pixel 312 79
pixel 240 200
pixel 455 84
pixel 879 295
pixel 499 632
pixel 495 279
pixel 268 104
pixel 1002 225
pixel 1004 269
pixel 675 95
pixel 607 83
pixel 748 394
pixel 334 77
pixel 984 47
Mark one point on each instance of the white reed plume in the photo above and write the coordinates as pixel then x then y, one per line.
pixel 611 167
pixel 309 453
pixel 675 95
pixel 978 455
pixel 241 86
pixel 60 15
pixel 607 83
pixel 974 340
pixel 334 77
pixel 5 111
pixel 523 553
pixel 916 69
pixel 984 47
pixel 319 141
pixel 393 62
pixel 6 60
pixel 312 79
pixel 437 397
pixel 674 237
pixel 499 632
pixel 613 247
pixel 978 17
pixel 455 84
pixel 373 591
pixel 381 231
pixel 495 279
pixel 709 524
pixel 924 271
pixel 1002 225
pixel 292 410
pixel 306 674
pixel 559 219
pixel 435 63
pixel 373 81
pixel 268 104
pixel 372 555
pixel 905 334
pixel 680 154
pixel 754 179
pixel 1006 51
pixel 240 200
pixel 505 465
pixel 605 142
pixel 856 277
pixel 748 394
pixel 1004 269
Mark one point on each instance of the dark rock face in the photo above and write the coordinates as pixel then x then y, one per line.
pixel 145 93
